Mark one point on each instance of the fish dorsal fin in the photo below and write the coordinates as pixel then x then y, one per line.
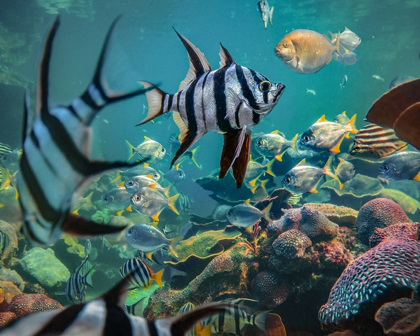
pixel 346 29
pixel 225 57
pixel 275 132
pixel 322 119
pixel 248 201
pixel 198 62
pixel 147 138
pixel 301 163
pixel 344 113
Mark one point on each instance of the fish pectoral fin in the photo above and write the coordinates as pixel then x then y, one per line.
pixel 240 165
pixel 232 146
pixel 79 226
pixel 233 103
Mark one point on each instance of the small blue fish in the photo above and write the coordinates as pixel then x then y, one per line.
pixel 175 176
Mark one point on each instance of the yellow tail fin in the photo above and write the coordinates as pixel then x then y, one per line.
pixel 294 143
pixel 266 212
pixel 269 171
pixel 88 199
pixel 118 177
pixel 172 245
pixel 352 124
pixel 193 159
pixel 158 277
pixel 172 203
pixel 132 152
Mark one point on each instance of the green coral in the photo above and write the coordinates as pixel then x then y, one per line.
pixel 45 267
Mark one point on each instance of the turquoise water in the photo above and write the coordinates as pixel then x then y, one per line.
pixel 145 42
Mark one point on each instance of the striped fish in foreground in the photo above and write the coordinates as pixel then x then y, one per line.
pixel 106 316
pixel 54 162
pixel 376 142
pixel 230 100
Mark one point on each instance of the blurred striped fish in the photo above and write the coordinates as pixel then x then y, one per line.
pixel 78 282
pixel 54 163
pixel 4 242
pixel 5 149
pixel 373 141
pixel 106 316
pixel 141 273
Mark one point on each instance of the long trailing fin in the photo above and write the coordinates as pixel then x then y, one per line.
pixel 241 163
pixel 155 100
pixel 232 146
pixel 225 57
pixel 198 62
pixel 187 141
pixel 41 100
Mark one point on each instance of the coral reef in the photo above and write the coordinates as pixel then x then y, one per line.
pixel 45 267
pixel 269 289
pixel 12 276
pixel 310 221
pixel 10 290
pixel 378 213
pixel 291 244
pixel 396 231
pixel 24 304
pixel 340 215
pixel 384 273
pixel 401 317
pixel 6 318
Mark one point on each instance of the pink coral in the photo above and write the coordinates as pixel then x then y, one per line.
pixel 378 213
pixel 396 231
pixel 291 244
pixel 24 304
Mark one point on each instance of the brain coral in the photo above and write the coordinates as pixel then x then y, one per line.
pixel 384 273
pixel 291 244
pixel 306 219
pixel 269 289
pixel 378 213
pixel 24 304
pixel 396 231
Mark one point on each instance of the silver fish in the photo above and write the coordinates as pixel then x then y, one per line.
pixel 244 215
pixel 402 166
pixel 136 171
pixel 345 170
pixel 348 39
pixel 266 12
pixel 149 150
pixel 274 145
pixel 54 163
pixel 175 176
pixel 342 118
pixel 135 183
pixel 147 238
pixel 78 281
pixel 236 99
pixel 116 199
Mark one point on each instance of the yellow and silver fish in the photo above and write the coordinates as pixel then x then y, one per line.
pixel 266 12
pixel 149 150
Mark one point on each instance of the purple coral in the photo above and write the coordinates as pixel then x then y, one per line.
pixel 291 244
pixel 378 213
pixel 269 289
pixel 306 219
pixel 386 272
pixel 396 231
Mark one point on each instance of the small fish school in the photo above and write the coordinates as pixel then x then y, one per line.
pixel 319 222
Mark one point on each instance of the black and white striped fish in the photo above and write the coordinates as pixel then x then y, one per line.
pixel 106 316
pixel 54 163
pixel 78 282
pixel 142 274
pixel 376 142
pixel 4 242
pixel 230 100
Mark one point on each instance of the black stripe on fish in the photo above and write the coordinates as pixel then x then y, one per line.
pixel 246 91
pixel 47 211
pixel 74 113
pixel 60 322
pixel 116 321
pixel 170 100
pixel 220 99
pixel 189 107
pixel 152 330
pixel 35 140
pixel 237 320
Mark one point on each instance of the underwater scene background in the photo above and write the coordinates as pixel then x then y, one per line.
pixel 333 255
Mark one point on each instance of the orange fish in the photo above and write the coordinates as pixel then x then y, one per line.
pixel 306 51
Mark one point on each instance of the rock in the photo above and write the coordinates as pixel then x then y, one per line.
pixel 45 267
pixel 12 276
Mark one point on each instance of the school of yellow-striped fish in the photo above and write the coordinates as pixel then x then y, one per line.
pixel 120 215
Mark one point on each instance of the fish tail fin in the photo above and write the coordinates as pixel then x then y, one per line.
pixel 271 16
pixel 261 319
pixel 132 150
pixel 253 182
pixel 352 124
pixel 118 177
pixel 280 156
pixel 156 218
pixel 329 172
pixel 181 324
pixel 172 245
pixel 269 165
pixel 6 178
pixel 266 212
pixel 156 101
pixel 167 189
pixel 294 143
pixel 158 277
pixel 262 185
pixel 172 203
pixel 88 277
pixel 88 199
pixel 193 159
pixel 333 36
pixel 337 47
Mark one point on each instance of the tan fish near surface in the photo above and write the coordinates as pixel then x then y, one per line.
pixel 306 51
pixel 376 142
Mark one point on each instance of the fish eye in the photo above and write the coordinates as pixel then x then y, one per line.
pixel 130 231
pixel 386 167
pixel 106 198
pixel 306 138
pixel 260 143
pixel 287 179
pixel 156 176
pixel 181 174
pixel 285 45
pixel 265 86
pixel 162 150
pixel 130 183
